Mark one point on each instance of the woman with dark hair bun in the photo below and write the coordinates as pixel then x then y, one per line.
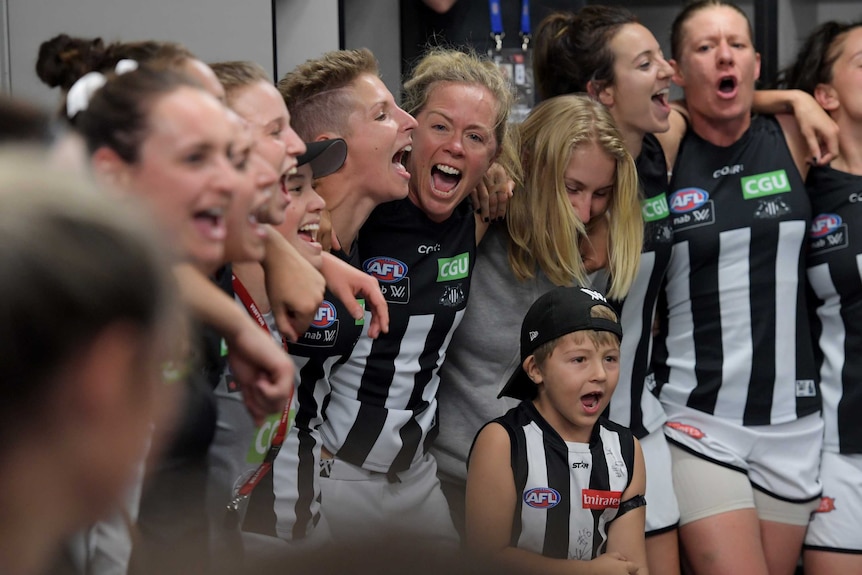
pixel 828 68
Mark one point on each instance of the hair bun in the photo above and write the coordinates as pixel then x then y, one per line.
pixel 63 59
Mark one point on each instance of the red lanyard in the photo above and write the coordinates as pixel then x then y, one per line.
pixel 277 440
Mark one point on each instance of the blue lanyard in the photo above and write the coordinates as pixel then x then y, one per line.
pixel 497 23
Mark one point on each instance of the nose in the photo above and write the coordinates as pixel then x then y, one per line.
pixel 316 203
pixel 582 204
pixel 293 144
pixel 724 53
pixel 665 70
pixel 408 122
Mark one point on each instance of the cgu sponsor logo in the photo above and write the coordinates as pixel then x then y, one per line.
pixel 655 208
pixel 760 185
pixel 454 268
pixel 385 269
pixel 542 497
pixel 598 499
pixel 687 429
pixel 687 199
pixel 325 315
pixel 824 224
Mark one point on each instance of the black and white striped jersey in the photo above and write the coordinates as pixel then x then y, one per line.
pixel 382 412
pixel 835 277
pixel 325 345
pixel 737 340
pixel 634 403
pixel 568 493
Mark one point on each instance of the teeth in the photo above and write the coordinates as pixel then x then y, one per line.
pixel 213 212
pixel 291 171
pixel 408 148
pixel 309 228
pixel 448 169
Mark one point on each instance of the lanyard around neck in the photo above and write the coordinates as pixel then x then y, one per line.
pixel 497 24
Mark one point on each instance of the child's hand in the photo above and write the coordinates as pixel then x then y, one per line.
pixel 612 564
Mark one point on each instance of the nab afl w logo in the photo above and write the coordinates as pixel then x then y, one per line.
pixel 542 497
pixel 687 199
pixel 824 224
pixel 388 270
pixel 325 315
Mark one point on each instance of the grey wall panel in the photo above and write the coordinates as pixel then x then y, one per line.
pixel 212 29
pixel 374 24
pixel 304 29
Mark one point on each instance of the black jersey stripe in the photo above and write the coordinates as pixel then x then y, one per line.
pixel 557 523
pixel 706 314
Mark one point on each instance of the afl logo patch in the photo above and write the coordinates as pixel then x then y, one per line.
pixel 325 315
pixel 385 269
pixel 542 497
pixel 687 199
pixel 824 224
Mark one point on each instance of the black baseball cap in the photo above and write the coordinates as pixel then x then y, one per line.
pixel 558 312
pixel 325 156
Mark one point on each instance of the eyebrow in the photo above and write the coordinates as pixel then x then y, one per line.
pixel 473 126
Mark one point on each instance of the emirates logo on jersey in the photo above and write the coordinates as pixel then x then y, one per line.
pixel 598 499
pixel 689 430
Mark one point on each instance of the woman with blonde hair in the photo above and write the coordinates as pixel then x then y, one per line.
pixel 577 172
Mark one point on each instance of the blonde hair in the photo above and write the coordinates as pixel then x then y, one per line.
pixel 441 65
pixel 598 338
pixel 237 74
pixel 315 91
pixel 544 230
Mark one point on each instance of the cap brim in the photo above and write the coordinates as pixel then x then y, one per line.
pixel 324 156
pixel 519 386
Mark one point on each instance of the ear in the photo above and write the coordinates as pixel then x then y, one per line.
pixel 328 136
pixel 678 78
pixel 827 97
pixel 757 65
pixel 109 168
pixel 532 368
pixel 604 95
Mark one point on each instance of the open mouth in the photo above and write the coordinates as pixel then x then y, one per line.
pixel 211 223
pixel 308 232
pixel 661 98
pixel 399 158
pixel 445 178
pixel 727 85
pixel 591 401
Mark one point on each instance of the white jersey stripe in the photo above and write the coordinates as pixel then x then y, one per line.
pixel 831 343
pixel 681 381
pixel 791 235
pixel 733 295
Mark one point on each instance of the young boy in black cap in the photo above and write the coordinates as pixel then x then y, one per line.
pixel 551 480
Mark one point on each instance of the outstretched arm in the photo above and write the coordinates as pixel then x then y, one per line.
pixel 819 131
pixel 262 369
pixel 347 282
pixel 294 287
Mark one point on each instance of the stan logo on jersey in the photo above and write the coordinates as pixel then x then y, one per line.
pixel 392 275
pixel 454 268
pixel 542 497
pixel 598 499
pixel 760 185
pixel 692 208
pixel 828 232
